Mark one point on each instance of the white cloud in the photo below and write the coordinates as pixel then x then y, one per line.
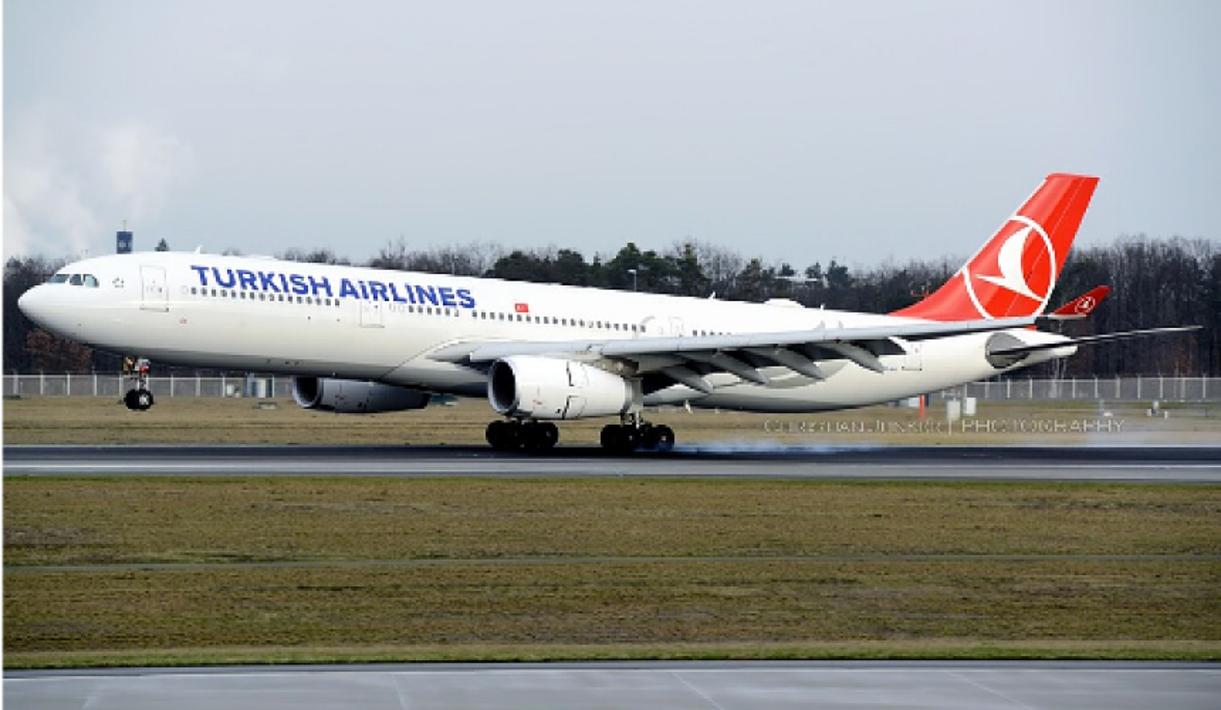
pixel 67 185
pixel 142 166
pixel 43 209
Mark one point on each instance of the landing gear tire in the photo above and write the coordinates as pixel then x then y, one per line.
pixel 504 436
pixel 626 438
pixel 658 438
pixel 533 436
pixel 539 436
pixel 618 439
pixel 138 400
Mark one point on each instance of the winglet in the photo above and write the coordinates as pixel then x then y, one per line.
pixel 1082 305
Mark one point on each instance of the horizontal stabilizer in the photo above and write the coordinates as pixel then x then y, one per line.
pixel 1090 340
pixel 1082 305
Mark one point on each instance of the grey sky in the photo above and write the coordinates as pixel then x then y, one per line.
pixel 798 130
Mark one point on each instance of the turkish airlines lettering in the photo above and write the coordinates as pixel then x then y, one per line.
pixel 366 340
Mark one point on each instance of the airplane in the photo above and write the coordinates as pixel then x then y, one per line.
pixel 362 340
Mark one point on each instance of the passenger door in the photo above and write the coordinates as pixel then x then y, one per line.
pixel 155 296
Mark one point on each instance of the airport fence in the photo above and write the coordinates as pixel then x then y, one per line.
pixel 1118 389
pixel 171 386
pixel 1133 389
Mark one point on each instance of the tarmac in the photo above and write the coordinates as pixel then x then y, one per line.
pixel 1147 464
pixel 676 686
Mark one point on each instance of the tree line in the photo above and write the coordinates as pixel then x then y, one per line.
pixel 1157 282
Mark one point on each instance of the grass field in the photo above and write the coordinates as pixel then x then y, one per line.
pixel 153 571
pixel 136 570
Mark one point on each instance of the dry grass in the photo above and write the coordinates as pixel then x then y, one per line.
pixel 157 520
pixel 314 569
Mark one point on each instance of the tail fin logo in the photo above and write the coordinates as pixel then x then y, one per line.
pixel 1024 264
pixel 1085 305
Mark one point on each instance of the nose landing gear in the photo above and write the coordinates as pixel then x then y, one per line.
pixel 139 398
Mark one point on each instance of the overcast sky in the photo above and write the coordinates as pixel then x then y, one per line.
pixel 799 130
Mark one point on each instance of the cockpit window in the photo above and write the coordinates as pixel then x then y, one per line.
pixel 86 280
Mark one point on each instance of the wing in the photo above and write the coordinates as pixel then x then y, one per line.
pixel 688 360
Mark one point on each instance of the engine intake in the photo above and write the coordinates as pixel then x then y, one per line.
pixel 547 388
pixel 355 397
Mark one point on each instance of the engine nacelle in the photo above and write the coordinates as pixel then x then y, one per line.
pixel 547 388
pixel 355 397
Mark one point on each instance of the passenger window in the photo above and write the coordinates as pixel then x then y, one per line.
pixel 75 280
pixel 58 279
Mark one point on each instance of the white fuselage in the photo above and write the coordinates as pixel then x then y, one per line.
pixel 356 323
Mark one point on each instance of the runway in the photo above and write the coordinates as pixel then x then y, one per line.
pixel 1198 465
pixel 676 686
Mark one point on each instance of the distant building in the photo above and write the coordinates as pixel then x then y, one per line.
pixel 123 242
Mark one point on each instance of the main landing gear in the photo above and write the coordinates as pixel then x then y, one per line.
pixel 139 398
pixel 634 434
pixel 516 434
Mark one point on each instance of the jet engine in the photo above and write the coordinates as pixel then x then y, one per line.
pixel 355 397
pixel 547 388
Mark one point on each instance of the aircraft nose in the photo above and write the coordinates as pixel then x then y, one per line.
pixel 37 305
pixel 28 303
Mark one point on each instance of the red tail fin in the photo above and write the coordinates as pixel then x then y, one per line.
pixel 1015 272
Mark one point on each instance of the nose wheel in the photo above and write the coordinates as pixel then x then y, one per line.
pixel 139 398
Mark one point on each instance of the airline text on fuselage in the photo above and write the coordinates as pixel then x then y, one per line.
pixel 303 284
